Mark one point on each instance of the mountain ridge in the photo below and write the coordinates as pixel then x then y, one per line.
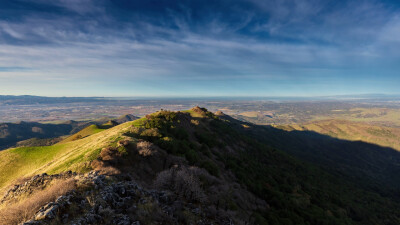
pixel 221 151
pixel 13 133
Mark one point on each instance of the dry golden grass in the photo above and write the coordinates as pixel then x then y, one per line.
pixel 145 148
pixel 26 208
pixel 250 114
pixel 384 116
pixel 104 168
pixel 195 122
pixel 90 130
pixel 353 131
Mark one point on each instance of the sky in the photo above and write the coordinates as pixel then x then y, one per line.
pixel 199 47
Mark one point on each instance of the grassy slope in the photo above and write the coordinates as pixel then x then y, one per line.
pixel 354 131
pixel 74 155
pixel 90 130
pixel 193 113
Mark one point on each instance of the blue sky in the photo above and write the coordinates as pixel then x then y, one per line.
pixel 199 47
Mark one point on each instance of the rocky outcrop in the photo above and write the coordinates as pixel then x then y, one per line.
pixel 37 182
pixel 115 200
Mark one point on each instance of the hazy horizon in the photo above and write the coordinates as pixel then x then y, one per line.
pixel 368 96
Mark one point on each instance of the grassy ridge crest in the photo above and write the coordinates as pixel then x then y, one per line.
pixel 73 155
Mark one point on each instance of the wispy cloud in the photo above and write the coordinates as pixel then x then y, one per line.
pixel 13 69
pixel 135 41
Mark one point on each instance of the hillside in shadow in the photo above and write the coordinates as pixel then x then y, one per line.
pixel 368 164
pixel 196 167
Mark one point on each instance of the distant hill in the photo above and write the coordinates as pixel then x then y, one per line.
pixel 13 133
pixel 354 131
pixel 369 164
pixel 196 167
pixel 125 118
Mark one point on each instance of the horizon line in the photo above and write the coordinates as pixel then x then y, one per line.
pixel 209 96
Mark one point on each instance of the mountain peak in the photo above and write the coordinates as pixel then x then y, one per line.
pixel 220 113
pixel 198 109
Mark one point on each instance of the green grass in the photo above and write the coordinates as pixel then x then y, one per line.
pixel 73 155
pixel 139 122
pixel 193 113
pixel 19 161
pixel 90 130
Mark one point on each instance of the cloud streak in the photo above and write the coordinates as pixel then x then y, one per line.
pixel 266 45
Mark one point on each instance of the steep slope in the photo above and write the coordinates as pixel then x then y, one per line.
pixel 75 155
pixel 90 130
pixel 205 168
pixel 190 193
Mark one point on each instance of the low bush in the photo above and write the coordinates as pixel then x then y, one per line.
pixel 183 181
pixel 151 134
pixel 145 148
pixel 206 138
pixel 192 156
pixel 210 167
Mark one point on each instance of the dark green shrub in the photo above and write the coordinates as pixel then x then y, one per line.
pixel 210 167
pixel 205 150
pixel 206 138
pixel 192 156
pixel 259 219
pixel 180 133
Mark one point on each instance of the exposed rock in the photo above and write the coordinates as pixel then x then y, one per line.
pixel 122 202
pixel 219 113
pixel 37 182
pixel 33 222
pixel 198 109
pixel 48 212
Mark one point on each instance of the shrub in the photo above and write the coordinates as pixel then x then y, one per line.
pixel 161 120
pixel 169 144
pixel 145 148
pixel 205 150
pixel 183 181
pixel 134 131
pixel 109 153
pixel 210 167
pixel 183 147
pixel 151 134
pixel 180 133
pixel 192 156
pixel 104 167
pixel 206 138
